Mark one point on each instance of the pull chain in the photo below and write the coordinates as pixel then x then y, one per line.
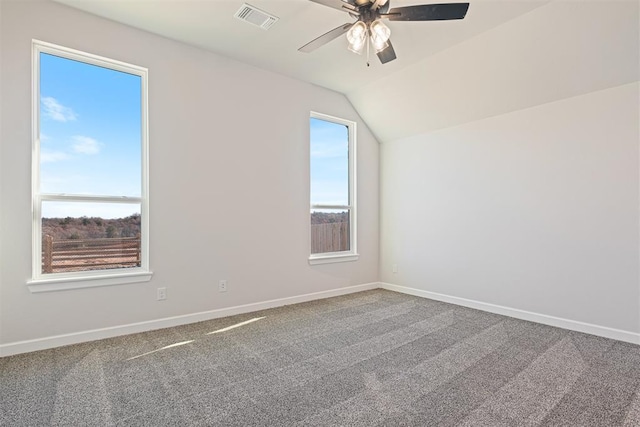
pixel 368 43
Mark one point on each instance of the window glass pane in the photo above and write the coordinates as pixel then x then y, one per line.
pixel 81 236
pixel 329 163
pixel 329 230
pixel 90 129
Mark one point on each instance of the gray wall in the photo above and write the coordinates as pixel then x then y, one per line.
pixel 229 181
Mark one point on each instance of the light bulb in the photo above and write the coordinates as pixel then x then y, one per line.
pixel 380 34
pixel 378 44
pixel 357 31
pixel 357 37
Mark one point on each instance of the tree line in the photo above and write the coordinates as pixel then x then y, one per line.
pixel 98 228
pixel 91 227
pixel 329 217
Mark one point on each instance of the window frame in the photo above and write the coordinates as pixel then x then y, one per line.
pixel 352 253
pixel 40 282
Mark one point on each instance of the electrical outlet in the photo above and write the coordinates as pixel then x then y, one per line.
pixel 222 286
pixel 162 294
pixel 394 268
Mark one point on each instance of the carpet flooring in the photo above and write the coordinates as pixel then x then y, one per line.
pixel 365 359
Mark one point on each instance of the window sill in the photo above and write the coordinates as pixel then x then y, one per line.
pixel 329 259
pixel 79 282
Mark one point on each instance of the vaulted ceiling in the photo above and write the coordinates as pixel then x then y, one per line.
pixel 501 57
pixel 210 24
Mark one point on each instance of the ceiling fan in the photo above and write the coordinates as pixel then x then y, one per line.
pixel 370 28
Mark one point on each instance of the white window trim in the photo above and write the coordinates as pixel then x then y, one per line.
pixel 352 254
pixel 61 281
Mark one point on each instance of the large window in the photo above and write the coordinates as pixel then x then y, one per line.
pixel 89 169
pixel 333 211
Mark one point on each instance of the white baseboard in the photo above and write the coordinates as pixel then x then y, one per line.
pixel 588 328
pixel 97 334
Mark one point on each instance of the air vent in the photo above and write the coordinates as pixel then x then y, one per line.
pixel 255 16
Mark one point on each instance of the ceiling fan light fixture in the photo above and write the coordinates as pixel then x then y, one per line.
pixel 357 37
pixel 380 31
pixel 380 34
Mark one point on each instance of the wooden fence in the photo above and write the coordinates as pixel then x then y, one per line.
pixel 89 254
pixel 331 237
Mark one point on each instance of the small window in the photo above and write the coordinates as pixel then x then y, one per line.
pixel 89 166
pixel 333 218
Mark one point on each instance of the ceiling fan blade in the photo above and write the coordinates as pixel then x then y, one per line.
pixel 388 54
pixel 385 7
pixel 428 12
pixel 325 38
pixel 347 5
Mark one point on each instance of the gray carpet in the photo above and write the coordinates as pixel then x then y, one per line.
pixel 371 358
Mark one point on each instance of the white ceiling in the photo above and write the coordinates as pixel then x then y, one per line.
pixel 210 24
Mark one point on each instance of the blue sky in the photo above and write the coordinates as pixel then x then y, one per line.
pixel 329 163
pixel 90 136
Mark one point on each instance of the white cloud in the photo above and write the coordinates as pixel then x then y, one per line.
pixel 86 145
pixel 54 110
pixel 52 156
